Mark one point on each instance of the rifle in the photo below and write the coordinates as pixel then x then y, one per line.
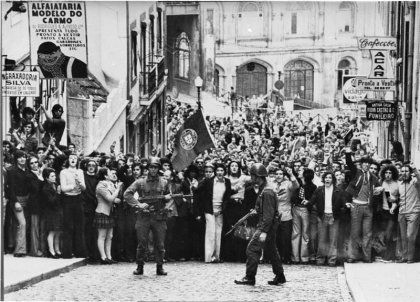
pixel 151 200
pixel 240 221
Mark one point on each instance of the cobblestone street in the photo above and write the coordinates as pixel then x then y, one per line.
pixel 188 281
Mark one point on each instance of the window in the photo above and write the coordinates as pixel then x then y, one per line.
pixel 133 56
pixel 159 30
pixel 298 79
pixel 344 68
pixel 294 23
pixel 152 36
pixel 346 17
pixel 300 18
pixel 250 20
pixel 183 56
pixel 143 56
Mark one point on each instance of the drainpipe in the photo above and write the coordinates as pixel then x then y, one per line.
pixel 409 87
pixel 128 34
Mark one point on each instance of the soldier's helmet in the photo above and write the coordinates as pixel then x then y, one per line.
pixel 259 170
pixel 154 161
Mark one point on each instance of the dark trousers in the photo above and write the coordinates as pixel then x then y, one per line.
pixel 130 237
pixel 197 232
pixel 182 244
pixel 284 240
pixel 254 251
pixel 327 239
pixel 74 227
pixel 158 227
pixel 170 238
pixel 91 236
pixel 343 236
pixel 387 227
pixel 313 235
pixel 361 232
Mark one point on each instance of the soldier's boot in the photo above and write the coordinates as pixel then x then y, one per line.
pixel 139 270
pixel 278 279
pixel 246 281
pixel 160 271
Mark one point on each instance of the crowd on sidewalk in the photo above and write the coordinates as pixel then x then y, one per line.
pixel 338 200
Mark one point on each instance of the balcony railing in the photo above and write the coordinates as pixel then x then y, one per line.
pixel 161 71
pixel 151 81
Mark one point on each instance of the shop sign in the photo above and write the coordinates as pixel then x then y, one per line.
pixel 58 29
pixel 384 85
pixel 20 83
pixel 351 93
pixel 377 43
pixel 380 111
pixel 380 64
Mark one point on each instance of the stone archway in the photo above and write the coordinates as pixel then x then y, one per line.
pixel 251 78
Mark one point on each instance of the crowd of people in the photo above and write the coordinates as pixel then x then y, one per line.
pixel 337 199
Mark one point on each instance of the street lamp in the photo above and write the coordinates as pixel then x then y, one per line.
pixel 198 83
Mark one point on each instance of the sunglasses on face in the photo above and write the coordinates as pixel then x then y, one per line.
pixel 91 165
pixel 34 162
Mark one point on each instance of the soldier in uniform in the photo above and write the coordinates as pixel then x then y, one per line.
pixel 152 215
pixel 265 236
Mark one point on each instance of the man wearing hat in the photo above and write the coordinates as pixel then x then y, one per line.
pixel 52 63
pixel 152 214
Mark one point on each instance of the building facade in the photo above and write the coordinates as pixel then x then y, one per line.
pixel 402 21
pixel 249 45
pixel 147 78
pixel 95 107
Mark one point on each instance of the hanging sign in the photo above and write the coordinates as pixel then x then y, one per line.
pixel 377 43
pixel 380 111
pixel 351 93
pixel 20 83
pixel 380 65
pixel 58 39
pixel 384 85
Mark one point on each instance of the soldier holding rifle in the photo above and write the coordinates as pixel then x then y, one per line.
pixel 265 236
pixel 153 194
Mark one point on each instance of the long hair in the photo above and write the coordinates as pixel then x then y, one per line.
pixel 334 180
pixel 391 168
pixel 229 172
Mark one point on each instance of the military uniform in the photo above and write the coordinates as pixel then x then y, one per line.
pixel 153 218
pixel 268 222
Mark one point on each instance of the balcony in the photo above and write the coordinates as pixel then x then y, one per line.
pixel 151 81
pixel 161 71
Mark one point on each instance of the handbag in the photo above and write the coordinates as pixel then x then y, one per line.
pixel 244 231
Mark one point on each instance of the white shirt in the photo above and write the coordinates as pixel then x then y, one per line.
pixel 328 200
pixel 219 189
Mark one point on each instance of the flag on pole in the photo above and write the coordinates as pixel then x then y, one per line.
pixel 191 139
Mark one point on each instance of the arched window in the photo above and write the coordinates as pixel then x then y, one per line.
pixel 250 20
pixel 299 80
pixel 183 56
pixel 344 68
pixel 346 17
pixel 300 18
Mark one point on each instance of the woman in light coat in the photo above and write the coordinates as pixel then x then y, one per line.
pixel 107 192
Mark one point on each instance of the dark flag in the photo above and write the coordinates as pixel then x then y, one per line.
pixel 348 137
pixel 191 139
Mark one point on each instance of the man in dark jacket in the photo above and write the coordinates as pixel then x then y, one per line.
pixel 329 201
pixel 265 236
pixel 362 187
pixel 213 196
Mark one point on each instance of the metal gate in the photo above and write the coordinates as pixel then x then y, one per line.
pixel 251 79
